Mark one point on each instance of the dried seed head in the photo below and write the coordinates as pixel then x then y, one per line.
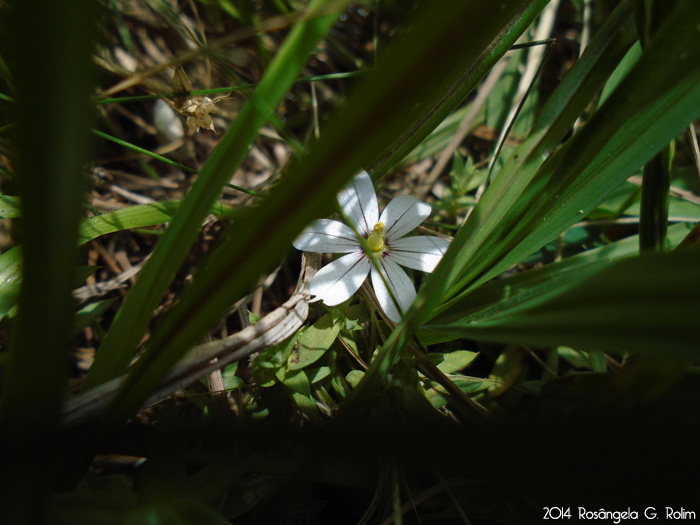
pixel 197 111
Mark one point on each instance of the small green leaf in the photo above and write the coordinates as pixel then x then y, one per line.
pixel 314 342
pixel 307 405
pixel 295 380
pixel 452 362
pixel 10 277
pixel 231 380
pixel 506 370
pixel 90 313
pixel 354 377
pixel 9 207
pixel 316 374
pixel 267 363
pixel 576 358
pixel 469 385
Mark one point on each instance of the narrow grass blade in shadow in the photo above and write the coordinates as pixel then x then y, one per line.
pixel 639 305
pixel 50 61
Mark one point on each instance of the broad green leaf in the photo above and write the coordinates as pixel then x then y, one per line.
pixel 576 358
pixel 509 366
pixel 598 361
pixel 307 405
pixel 298 382
pixel 438 397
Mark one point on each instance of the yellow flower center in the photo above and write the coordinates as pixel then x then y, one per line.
pixel 376 239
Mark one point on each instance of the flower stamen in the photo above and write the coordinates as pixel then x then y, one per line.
pixel 376 239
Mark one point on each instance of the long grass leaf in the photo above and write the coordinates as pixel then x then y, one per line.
pixel 655 101
pixel 500 295
pixel 50 61
pixel 644 304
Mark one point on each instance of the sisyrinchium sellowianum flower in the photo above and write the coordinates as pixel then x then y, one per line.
pixel 385 241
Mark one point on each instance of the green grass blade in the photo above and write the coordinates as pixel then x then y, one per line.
pixel 506 196
pixel 645 304
pixel 51 65
pixel 502 294
pixel 166 160
pixel 574 94
pixel 657 173
pixel 491 37
pixel 651 104
pixel 656 184
pixel 144 151
pixel 133 217
pixel 379 116
pixel 139 216
pixel 656 101
pixel 135 314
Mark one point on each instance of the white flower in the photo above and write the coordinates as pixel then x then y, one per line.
pixel 385 239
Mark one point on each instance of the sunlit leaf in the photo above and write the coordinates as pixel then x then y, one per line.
pixel 313 343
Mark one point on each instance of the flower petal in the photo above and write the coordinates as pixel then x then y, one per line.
pixel 337 281
pixel 400 284
pixel 419 253
pixel 359 202
pixel 402 215
pixel 326 236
